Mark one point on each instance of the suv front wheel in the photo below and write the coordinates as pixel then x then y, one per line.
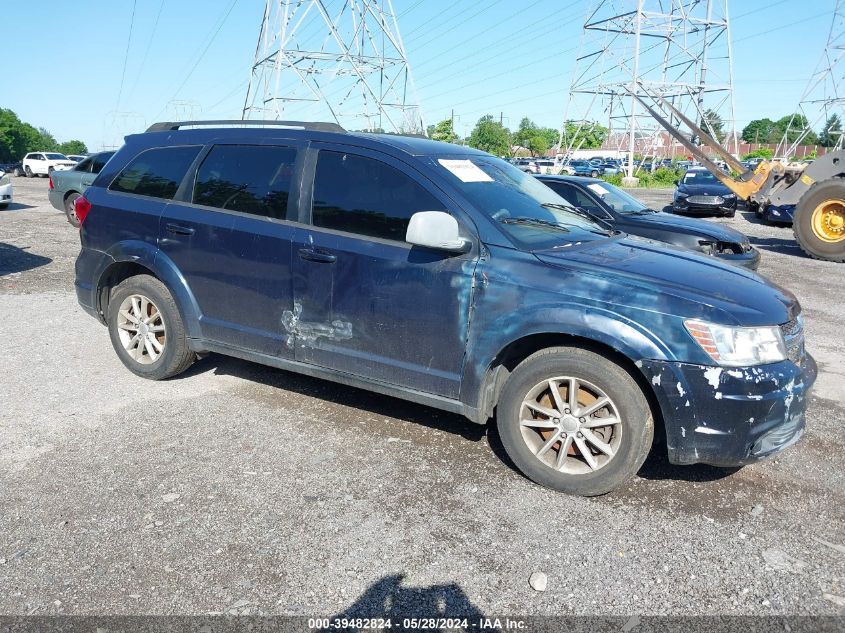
pixel 574 421
pixel 146 329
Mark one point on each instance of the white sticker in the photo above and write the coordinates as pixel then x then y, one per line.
pixel 466 170
pixel 597 188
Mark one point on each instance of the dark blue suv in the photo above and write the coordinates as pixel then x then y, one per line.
pixel 445 276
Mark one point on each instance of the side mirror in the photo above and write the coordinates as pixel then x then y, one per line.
pixel 438 230
pixel 676 182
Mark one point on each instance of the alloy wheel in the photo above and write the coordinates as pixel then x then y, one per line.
pixel 141 329
pixel 570 425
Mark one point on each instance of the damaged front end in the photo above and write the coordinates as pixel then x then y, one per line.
pixel 730 416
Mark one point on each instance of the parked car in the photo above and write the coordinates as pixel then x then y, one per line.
pixel 66 187
pixel 45 163
pixel 77 158
pixel 778 214
pixel 584 168
pixel 610 168
pixel 14 169
pixel 6 193
pixel 699 192
pixel 546 166
pixel 527 165
pixel 621 211
pixel 443 275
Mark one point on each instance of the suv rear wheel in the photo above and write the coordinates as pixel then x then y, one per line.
pixel 146 329
pixel 574 421
pixel 28 172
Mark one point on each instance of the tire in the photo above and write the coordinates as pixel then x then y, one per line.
pixel 18 172
pixel 28 172
pixel 594 174
pixel 70 208
pixel 50 171
pixel 175 356
pixel 630 439
pixel 820 239
pixel 731 214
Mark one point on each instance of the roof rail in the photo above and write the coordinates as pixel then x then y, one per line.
pixel 166 126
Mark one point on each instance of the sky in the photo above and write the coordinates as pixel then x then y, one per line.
pixel 95 70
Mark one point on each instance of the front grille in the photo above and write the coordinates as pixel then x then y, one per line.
pixel 793 338
pixel 705 199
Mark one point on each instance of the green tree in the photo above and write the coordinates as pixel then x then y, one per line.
pixel 584 135
pixel 831 131
pixel 763 152
pixel 18 138
pixel 793 126
pixel 443 132
pixel 758 131
pixel 490 136
pixel 73 147
pixel 715 122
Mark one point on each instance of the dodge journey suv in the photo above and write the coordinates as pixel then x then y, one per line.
pixel 445 276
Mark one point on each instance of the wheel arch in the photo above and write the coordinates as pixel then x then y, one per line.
pixel 67 193
pixel 142 259
pixel 517 350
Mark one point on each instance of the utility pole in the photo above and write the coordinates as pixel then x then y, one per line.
pixel 675 49
pixel 348 67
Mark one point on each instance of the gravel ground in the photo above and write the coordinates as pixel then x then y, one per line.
pixel 239 488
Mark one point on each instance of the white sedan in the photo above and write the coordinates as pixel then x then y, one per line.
pixel 5 190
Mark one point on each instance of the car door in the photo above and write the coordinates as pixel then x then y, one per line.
pixel 365 301
pixel 227 231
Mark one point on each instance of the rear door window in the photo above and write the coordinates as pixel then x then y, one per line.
pixel 84 165
pixel 156 173
pixel 99 161
pixel 365 196
pixel 250 179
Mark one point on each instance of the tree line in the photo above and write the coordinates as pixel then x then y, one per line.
pixel 492 136
pixel 18 138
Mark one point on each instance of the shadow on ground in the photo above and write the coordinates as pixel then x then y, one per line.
pixel 388 598
pixel 15 260
pixel 16 206
pixel 786 246
pixel 656 467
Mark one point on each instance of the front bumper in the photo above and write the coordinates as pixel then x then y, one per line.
pixel 681 205
pixel 730 416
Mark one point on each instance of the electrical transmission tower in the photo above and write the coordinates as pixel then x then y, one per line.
pixel 677 49
pixel 824 95
pixel 348 66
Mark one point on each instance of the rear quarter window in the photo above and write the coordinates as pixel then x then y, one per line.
pixel 156 173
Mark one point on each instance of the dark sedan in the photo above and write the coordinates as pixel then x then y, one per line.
pixel 623 212
pixel 700 193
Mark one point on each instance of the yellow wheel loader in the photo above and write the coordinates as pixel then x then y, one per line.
pixel 817 190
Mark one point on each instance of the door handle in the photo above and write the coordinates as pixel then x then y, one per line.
pixel 179 229
pixel 317 256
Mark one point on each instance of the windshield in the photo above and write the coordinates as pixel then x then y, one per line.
pixel 56 156
pixel 530 213
pixel 616 199
pixel 699 178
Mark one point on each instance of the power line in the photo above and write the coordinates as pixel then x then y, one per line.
pixel 126 55
pixel 147 50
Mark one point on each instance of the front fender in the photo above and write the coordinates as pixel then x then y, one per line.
pixel 160 265
pixel 584 322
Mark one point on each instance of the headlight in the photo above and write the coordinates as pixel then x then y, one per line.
pixel 738 346
pixel 729 196
pixel 5 179
pixel 680 194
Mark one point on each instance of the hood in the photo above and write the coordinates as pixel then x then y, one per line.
pixel 691 226
pixel 681 282
pixel 705 189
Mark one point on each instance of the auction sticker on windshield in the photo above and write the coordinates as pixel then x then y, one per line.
pixel 597 188
pixel 465 170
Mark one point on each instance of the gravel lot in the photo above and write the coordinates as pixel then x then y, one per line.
pixel 240 488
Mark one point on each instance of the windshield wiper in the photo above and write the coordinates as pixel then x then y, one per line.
pixel 535 222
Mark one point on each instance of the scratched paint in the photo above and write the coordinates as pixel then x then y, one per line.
pixel 305 333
